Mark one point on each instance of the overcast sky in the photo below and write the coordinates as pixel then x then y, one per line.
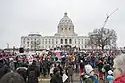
pixel 20 17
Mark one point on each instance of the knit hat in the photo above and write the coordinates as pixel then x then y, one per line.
pixel 88 69
pixel 110 72
pixel 12 77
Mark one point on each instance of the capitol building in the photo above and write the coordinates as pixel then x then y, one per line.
pixel 65 36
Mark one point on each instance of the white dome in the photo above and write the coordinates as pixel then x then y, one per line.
pixel 65 27
pixel 66 21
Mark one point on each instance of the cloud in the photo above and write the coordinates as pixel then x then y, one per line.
pixel 20 17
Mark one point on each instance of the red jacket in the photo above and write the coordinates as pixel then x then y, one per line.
pixel 120 79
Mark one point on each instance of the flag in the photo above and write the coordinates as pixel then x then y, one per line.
pixel 58 55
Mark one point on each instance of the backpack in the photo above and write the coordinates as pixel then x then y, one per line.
pixel 32 74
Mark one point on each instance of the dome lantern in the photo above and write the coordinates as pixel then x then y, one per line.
pixel 65 14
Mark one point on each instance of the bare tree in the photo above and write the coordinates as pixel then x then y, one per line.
pixel 102 37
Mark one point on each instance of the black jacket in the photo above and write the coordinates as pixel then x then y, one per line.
pixel 82 65
pixel 3 70
pixel 56 79
pixel 107 68
pixel 36 69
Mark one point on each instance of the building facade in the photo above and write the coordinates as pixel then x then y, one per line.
pixel 65 36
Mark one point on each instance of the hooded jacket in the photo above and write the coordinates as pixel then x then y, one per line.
pixel 70 70
pixel 120 79
pixel 3 70
pixel 110 78
pixel 36 69
pixel 56 78
pixel 100 66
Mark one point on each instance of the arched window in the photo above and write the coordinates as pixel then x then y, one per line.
pixel 70 41
pixel 65 41
pixel 61 41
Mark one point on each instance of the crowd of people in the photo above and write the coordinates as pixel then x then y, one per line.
pixel 92 67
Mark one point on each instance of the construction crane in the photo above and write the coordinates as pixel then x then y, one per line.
pixel 108 17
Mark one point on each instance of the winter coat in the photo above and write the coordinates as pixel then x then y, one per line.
pixel 3 70
pixel 61 70
pixel 100 66
pixel 18 64
pixel 70 70
pixel 36 70
pixel 43 64
pixel 107 68
pixel 95 79
pixel 56 79
pixel 82 65
pixel 23 72
pixel 110 78
pixel 12 65
pixel 120 79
